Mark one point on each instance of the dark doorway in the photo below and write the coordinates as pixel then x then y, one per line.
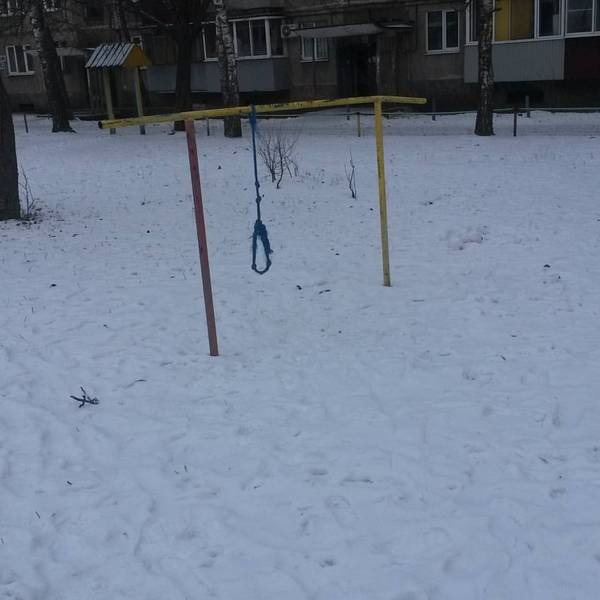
pixel 357 72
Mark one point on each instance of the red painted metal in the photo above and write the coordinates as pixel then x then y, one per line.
pixel 190 131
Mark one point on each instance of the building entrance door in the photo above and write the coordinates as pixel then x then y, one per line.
pixel 357 72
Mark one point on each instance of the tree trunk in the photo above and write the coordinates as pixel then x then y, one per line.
pixel 58 103
pixel 183 76
pixel 228 72
pixel 123 27
pixel 484 124
pixel 9 175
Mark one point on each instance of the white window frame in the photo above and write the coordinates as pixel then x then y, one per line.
pixel 27 58
pixel 536 24
pixel 469 41
pixel 234 25
pixel 537 37
pixel 592 32
pixel 315 45
pixel 206 57
pixel 444 49
pixel 237 23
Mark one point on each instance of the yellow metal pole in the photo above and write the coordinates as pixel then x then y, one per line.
pixel 108 98
pixel 138 97
pixel 385 251
pixel 215 113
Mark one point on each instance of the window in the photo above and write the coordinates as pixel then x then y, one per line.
pixel 19 60
pixel 198 50
pixel 579 16
pixel 251 37
pixel 314 49
pixel 549 17
pixel 442 30
pixel 514 20
pixel 242 38
pixel 254 38
pixel 473 23
pixel 259 38
pixel 209 34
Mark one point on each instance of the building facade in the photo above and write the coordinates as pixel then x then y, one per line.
pixel 548 50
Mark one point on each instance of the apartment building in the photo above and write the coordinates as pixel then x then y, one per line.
pixel 76 27
pixel 548 50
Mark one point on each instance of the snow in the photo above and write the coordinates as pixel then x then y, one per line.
pixel 437 439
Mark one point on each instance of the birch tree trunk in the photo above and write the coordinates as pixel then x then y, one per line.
pixel 228 72
pixel 9 175
pixel 484 124
pixel 58 103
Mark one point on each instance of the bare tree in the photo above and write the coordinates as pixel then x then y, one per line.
pixel 30 15
pixel 58 102
pixel 277 151
pixel 228 72
pixel 182 20
pixel 484 123
pixel 9 175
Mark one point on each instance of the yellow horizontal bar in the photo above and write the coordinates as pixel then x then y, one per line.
pixel 260 108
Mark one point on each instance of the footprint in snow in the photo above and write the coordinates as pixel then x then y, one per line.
pixel 341 511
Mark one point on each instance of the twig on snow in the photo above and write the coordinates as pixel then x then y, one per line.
pixel 85 399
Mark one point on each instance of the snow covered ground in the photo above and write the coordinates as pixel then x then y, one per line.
pixel 439 439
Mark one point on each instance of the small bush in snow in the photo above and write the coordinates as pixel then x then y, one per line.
pixel 350 171
pixel 277 149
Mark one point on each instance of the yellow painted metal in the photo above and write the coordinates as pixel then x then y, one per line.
pixel 108 97
pixel 136 58
pixel 212 113
pixel 385 251
pixel 138 97
pixel 377 102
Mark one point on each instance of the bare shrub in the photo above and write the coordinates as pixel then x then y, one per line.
pixel 277 150
pixel 29 209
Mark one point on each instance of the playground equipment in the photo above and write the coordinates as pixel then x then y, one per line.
pixel 191 116
pixel 107 58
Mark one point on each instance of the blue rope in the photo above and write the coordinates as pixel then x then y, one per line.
pixel 260 231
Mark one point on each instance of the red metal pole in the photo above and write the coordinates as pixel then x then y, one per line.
pixel 190 131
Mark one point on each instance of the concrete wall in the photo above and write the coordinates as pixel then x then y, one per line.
pixel 432 74
pixel 260 75
pixel 312 79
pixel 28 90
pixel 539 60
pixel 254 6
pixel 320 79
